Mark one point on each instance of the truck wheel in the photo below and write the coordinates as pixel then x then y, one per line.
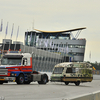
pixel 77 83
pixel 44 79
pixel 20 79
pixel 66 83
pixel 1 82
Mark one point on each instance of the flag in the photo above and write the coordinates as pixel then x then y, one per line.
pixel 17 32
pixel 12 30
pixel 6 28
pixel 58 48
pixel 37 39
pixel 90 55
pixel 26 35
pixel 63 49
pixel 94 68
pixel 30 38
pixel 67 48
pixel 40 42
pixel 1 26
pixel 34 39
pixel 50 43
pixel 46 42
pixel 53 46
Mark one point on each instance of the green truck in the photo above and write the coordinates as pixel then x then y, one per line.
pixel 72 72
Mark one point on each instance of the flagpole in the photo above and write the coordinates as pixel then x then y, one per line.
pixel 61 51
pixel 50 52
pixel 16 38
pixel 38 52
pixel 1 25
pixel 25 40
pixel 34 41
pixel 11 35
pixel 90 56
pixel 44 53
pixel 55 53
pixel 47 53
pixel 33 31
pixel 5 37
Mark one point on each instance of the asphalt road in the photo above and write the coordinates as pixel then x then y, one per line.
pixel 50 91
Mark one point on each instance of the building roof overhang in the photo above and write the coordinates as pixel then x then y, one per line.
pixel 76 29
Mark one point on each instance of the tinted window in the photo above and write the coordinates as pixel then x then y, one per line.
pixel 58 70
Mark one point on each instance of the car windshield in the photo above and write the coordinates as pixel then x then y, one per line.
pixel 58 70
pixel 11 61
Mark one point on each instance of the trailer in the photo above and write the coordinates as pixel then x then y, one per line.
pixel 72 72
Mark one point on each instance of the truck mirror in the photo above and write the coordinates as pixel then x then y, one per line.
pixel 25 63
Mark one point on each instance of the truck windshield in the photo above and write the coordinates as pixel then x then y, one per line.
pixel 11 61
pixel 58 70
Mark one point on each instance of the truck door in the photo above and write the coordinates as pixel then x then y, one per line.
pixel 24 61
pixel 26 65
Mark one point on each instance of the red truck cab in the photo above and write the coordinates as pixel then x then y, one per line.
pixel 17 67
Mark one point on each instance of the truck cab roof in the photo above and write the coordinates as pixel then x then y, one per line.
pixel 17 55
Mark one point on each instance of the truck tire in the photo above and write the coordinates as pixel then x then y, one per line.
pixel 66 83
pixel 44 79
pixel 1 83
pixel 20 79
pixel 77 83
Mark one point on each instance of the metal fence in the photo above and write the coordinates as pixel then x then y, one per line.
pixel 43 60
pixel 96 72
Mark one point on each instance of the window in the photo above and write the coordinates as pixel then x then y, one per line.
pixel 61 45
pixel 76 46
pixel 11 61
pixel 62 37
pixel 24 61
pixel 58 70
pixel 73 70
pixel 69 70
pixel 52 37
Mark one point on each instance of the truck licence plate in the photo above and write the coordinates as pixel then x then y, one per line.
pixel 2 79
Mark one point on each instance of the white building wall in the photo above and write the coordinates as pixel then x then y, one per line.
pixel 71 43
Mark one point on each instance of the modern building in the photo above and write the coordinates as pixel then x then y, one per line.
pixel 17 42
pixel 7 41
pixel 7 44
pixel 62 42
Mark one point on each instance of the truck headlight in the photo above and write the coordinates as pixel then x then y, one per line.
pixel 13 74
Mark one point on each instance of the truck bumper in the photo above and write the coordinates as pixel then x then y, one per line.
pixel 56 79
pixel 11 79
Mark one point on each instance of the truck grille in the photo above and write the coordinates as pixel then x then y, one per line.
pixel 3 71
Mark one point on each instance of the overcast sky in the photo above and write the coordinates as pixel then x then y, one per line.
pixel 54 15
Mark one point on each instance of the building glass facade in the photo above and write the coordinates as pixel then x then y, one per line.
pixel 60 42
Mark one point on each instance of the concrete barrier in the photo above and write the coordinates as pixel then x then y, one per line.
pixel 96 95
pixel 2 98
pixel 89 96
pixel 96 77
pixel 83 97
